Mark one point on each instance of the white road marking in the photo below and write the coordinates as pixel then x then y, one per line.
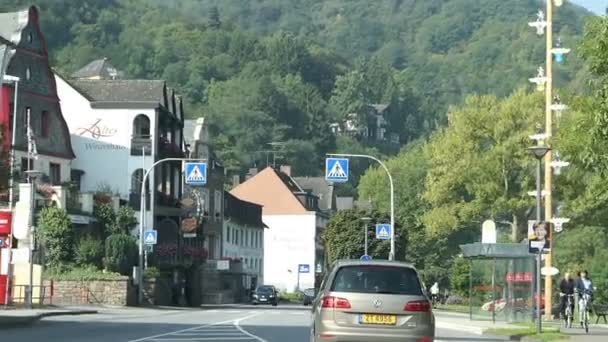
pixel 237 325
pixel 161 337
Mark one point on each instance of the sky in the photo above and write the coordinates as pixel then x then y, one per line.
pixel 597 6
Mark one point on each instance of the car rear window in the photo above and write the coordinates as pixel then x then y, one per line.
pixel 377 279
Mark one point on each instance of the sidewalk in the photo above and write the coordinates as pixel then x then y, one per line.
pixel 12 317
pixel 461 322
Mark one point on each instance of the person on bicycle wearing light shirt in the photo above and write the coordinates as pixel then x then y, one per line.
pixel 566 288
pixel 584 286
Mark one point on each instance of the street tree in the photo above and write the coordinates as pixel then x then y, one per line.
pixel 479 166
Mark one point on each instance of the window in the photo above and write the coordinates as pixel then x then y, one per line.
pixel 376 279
pixel 206 197
pixel 45 123
pixel 238 233
pixel 28 73
pixel 141 127
pixel 30 37
pixel 228 234
pixel 55 173
pixel 217 203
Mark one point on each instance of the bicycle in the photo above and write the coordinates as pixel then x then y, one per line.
pixel 584 311
pixel 569 312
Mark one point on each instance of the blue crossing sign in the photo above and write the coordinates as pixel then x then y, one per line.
pixel 303 268
pixel 150 237
pixel 383 231
pixel 336 169
pixel 196 173
pixel 365 258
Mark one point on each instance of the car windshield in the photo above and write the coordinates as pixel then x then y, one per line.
pixel 377 279
pixel 265 289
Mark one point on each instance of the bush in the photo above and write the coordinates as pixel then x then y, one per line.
pixel 121 253
pixel 151 272
pixel 89 252
pixel 459 277
pixel 88 273
pixel 56 235
pixel 106 218
pixel 456 300
pixel 125 221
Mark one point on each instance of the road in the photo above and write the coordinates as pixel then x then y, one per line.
pixel 135 325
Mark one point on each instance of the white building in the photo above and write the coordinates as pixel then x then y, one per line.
pixel 118 129
pixel 295 224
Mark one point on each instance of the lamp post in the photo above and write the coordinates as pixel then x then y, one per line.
pixel 366 220
pixel 11 179
pixel 32 175
pixel 539 153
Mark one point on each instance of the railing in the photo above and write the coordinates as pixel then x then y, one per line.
pixel 168 149
pixel 20 295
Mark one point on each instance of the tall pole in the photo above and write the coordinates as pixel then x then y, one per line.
pixel 365 234
pixel 30 151
pixel 391 255
pixel 549 155
pixel 539 195
pixel 11 184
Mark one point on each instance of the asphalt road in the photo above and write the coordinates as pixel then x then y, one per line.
pixel 228 325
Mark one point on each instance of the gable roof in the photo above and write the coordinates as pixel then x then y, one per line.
pixel 124 93
pixel 321 188
pixel 101 68
pixel 273 190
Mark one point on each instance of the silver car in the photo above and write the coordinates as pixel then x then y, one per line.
pixel 379 301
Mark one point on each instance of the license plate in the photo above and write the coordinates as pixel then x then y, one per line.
pixel 263 299
pixel 378 319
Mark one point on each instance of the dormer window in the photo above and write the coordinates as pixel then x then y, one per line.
pixel 30 37
pixel 28 74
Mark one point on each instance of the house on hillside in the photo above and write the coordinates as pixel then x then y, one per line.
pixel 371 125
pixel 295 224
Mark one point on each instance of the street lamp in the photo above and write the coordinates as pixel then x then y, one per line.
pixel 32 175
pixel 539 153
pixel 366 220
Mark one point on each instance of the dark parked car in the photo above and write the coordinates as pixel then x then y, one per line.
pixel 266 294
pixel 308 296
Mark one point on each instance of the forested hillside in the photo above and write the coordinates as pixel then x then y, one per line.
pixel 282 70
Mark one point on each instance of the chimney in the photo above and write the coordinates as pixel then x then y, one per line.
pixel 286 169
pixel 236 180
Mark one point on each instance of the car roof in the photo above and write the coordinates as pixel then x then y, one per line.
pixel 356 262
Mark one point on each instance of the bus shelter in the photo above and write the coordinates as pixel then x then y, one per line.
pixel 501 281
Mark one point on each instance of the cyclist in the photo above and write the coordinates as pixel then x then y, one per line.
pixel 435 293
pixel 566 288
pixel 584 287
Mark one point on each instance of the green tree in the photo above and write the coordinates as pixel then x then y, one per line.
pixel 106 218
pixel 120 253
pixel 214 18
pixel 479 166
pixel 125 221
pixel 459 277
pixel 56 235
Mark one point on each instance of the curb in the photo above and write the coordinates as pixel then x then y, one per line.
pixel 13 321
pixel 254 307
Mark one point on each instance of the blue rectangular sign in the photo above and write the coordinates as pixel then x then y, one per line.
pixel 383 231
pixel 303 268
pixel 195 173
pixel 150 237
pixel 336 169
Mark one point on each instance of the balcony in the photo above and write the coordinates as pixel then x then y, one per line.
pixel 141 144
pixel 184 254
pixel 168 149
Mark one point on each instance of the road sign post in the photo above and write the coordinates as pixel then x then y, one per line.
pixel 392 188
pixel 302 268
pixel 142 212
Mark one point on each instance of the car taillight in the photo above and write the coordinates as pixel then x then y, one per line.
pixel 330 302
pixel 418 306
pixel 425 339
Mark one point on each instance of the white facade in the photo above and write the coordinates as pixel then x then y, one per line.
pixel 247 243
pixel 288 242
pixel 101 140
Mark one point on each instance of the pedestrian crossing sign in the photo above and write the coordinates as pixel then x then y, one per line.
pixel 336 169
pixel 150 237
pixel 196 173
pixel 383 231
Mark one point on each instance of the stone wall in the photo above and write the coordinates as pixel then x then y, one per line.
pixel 104 292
